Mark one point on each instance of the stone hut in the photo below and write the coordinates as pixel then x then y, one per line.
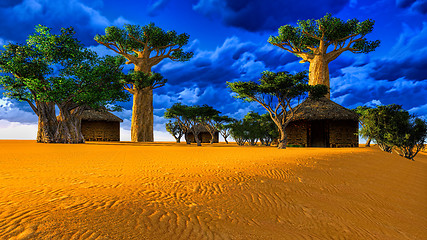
pixel 204 135
pixel 100 126
pixel 323 123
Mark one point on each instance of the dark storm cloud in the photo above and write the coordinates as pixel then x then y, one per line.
pixel 24 15
pixel 415 5
pixel 9 3
pixel 261 15
pixel 408 58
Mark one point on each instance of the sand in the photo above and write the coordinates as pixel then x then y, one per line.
pixel 176 191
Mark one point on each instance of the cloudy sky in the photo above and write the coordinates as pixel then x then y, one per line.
pixel 229 41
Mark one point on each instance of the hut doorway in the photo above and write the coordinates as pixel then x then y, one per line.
pixel 318 134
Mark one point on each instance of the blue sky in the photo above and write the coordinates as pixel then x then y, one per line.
pixel 229 41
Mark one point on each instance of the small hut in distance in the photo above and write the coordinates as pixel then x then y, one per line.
pixel 323 123
pixel 204 135
pixel 100 126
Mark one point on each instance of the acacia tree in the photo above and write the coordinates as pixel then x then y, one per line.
pixel 188 117
pixel 275 91
pixel 175 130
pixel 56 70
pixel 321 41
pixel 269 130
pixel 144 47
pixel 223 125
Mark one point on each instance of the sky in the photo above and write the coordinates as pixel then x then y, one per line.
pixel 229 41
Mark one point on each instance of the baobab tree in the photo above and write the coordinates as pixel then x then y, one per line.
pixel 321 41
pixel 144 47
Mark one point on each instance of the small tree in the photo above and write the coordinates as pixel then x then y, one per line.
pixel 255 131
pixel 275 91
pixel 223 124
pixel 362 111
pixel 188 117
pixel 144 47
pixel 269 130
pixel 311 39
pixel 175 130
pixel 410 137
pixel 240 131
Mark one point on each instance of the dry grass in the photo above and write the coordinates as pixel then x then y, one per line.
pixel 175 191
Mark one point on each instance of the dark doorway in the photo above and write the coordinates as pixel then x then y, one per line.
pixel 319 134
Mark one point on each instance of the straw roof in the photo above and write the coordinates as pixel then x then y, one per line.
pixel 323 109
pixel 93 115
pixel 201 128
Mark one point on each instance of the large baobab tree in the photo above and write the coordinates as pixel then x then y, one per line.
pixel 321 41
pixel 144 47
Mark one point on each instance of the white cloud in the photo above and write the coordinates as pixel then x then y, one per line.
pixel 16 130
pixel 13 114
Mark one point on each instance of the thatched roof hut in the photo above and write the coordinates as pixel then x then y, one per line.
pixel 100 126
pixel 94 115
pixel 323 109
pixel 323 123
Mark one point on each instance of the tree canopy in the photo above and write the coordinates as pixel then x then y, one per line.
pixel 55 69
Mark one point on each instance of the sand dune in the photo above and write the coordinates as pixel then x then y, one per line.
pixel 175 191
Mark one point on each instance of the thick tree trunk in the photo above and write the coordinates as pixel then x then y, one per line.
pixel 142 116
pixel 319 73
pixel 283 139
pixel 69 127
pixel 47 123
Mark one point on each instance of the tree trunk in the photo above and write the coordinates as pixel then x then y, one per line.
pixel 47 123
pixel 225 139
pixel 196 136
pixel 142 116
pixel 69 127
pixel 319 72
pixel 283 139
pixel 368 142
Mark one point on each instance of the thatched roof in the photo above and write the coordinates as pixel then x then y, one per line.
pixel 201 129
pixel 93 115
pixel 323 109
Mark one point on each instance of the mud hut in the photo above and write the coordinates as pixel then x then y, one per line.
pixel 204 135
pixel 323 123
pixel 100 126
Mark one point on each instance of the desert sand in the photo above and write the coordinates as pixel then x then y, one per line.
pixel 176 191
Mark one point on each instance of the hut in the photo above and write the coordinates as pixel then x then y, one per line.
pixel 100 126
pixel 323 123
pixel 204 135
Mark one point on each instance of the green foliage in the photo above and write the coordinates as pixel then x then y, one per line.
pixel 141 80
pixel 254 127
pixel 149 37
pixel 343 35
pixel 56 68
pixel 175 129
pixel 394 128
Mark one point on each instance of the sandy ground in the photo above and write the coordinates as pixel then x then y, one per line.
pixel 175 191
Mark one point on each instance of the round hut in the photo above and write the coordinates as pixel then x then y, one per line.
pixel 100 126
pixel 204 135
pixel 323 123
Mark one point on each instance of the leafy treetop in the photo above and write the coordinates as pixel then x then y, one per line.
pixel 313 37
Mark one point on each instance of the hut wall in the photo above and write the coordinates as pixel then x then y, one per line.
pixel 101 130
pixel 342 133
pixel 297 133
pixel 204 137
